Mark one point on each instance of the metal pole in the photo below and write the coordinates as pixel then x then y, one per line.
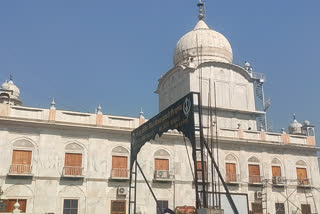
pixel 135 188
pixel 153 195
pixel 233 206
pixel 204 195
pixel 130 181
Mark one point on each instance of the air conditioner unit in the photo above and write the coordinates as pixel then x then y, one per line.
pixel 259 195
pixel 122 191
pixel 162 174
pixel 277 180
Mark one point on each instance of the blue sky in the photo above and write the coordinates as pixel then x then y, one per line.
pixel 112 53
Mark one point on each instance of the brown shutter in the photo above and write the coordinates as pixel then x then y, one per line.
pixel 23 205
pixel 254 174
pixel 276 171
pixel 301 173
pixel 10 205
pixel 21 161
pixel 199 165
pixel 11 202
pixel 231 172
pixel 305 209
pixel 302 176
pixel 118 207
pixel 72 159
pixel 119 166
pixel 21 157
pixel 119 162
pixel 161 164
pixel 73 164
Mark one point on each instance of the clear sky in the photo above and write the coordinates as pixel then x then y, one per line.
pixel 112 53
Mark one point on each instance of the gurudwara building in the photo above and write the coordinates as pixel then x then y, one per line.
pixel 65 162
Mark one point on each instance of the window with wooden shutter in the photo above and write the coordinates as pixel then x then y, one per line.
pixel 276 171
pixel 21 162
pixel 161 164
pixel 254 174
pixel 231 172
pixel 120 166
pixel 73 164
pixel 302 176
pixel 257 208
pixel 118 207
pixel 305 209
pixel 199 166
pixel 7 206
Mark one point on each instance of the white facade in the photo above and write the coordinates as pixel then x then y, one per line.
pixel 50 134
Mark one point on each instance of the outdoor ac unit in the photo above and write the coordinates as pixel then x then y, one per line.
pixel 277 180
pixel 122 191
pixel 162 174
pixel 259 195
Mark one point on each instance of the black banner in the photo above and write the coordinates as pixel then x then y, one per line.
pixel 179 116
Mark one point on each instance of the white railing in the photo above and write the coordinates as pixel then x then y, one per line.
pixel 120 173
pixel 256 75
pixel 255 179
pixel 232 178
pixel 72 171
pixel 20 169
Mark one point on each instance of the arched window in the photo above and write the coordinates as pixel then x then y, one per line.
pixel 231 169
pixel 302 175
pixel 162 165
pixel 21 163
pixel 277 177
pixel 120 158
pixel 254 170
pixel 73 161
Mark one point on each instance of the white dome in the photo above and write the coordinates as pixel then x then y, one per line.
pixel 15 90
pixel 211 46
pixel 295 127
pixel 5 86
pixel 10 91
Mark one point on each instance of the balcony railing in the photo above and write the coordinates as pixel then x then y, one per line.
pixel 163 175
pixel 256 75
pixel 72 171
pixel 304 182
pixel 20 169
pixel 119 173
pixel 255 179
pixel 232 178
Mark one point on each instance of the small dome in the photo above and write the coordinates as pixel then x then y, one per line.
pixel 5 85
pixel 295 127
pixel 211 46
pixel 15 90
pixel 11 91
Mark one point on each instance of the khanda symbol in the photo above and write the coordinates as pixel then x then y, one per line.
pixel 186 107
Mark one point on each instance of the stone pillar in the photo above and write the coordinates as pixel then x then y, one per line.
pixel 4 110
pixel 240 131
pixel 141 118
pixel 52 111
pixel 263 135
pixel 99 116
